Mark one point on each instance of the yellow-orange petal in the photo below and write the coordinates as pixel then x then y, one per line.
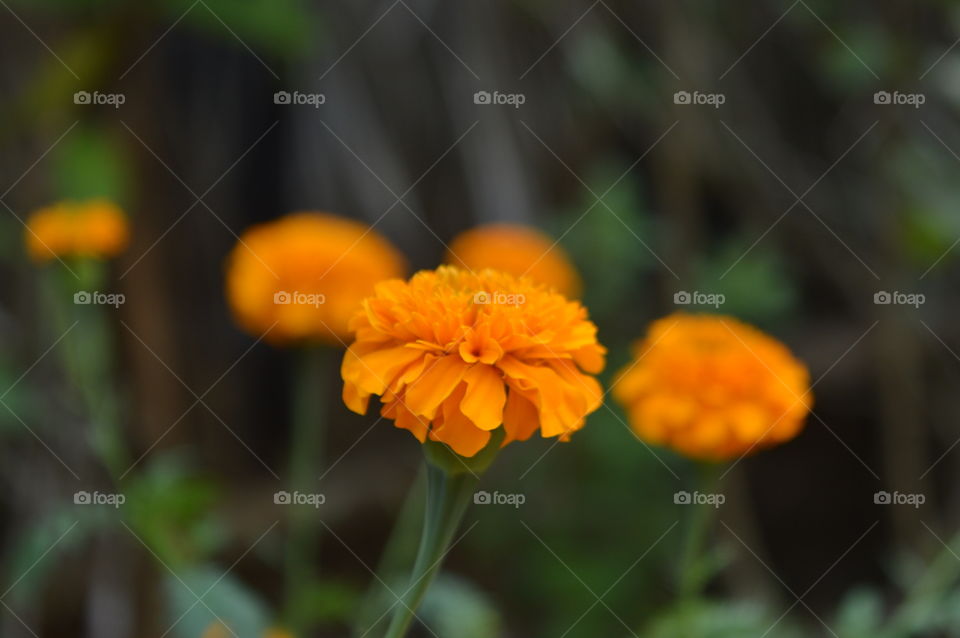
pixel 458 431
pixel 371 372
pixel 405 419
pixel 556 414
pixel 483 402
pixel 520 417
pixel 425 395
pixel 354 399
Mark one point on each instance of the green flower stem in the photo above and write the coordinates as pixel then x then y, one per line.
pixel 397 557
pixel 309 413
pixel 87 355
pixel 448 494
pixel 698 528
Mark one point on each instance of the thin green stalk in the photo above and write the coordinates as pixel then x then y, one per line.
pixel 698 528
pixel 397 558
pixel 87 355
pixel 306 454
pixel 448 495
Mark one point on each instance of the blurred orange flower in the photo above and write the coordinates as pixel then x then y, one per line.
pixel 712 387
pixel 518 250
pixel 95 228
pixel 306 274
pixel 454 355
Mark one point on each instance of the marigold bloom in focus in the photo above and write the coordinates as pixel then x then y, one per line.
pixel 518 250
pixel 713 387
pixel 95 228
pixel 306 274
pixel 455 355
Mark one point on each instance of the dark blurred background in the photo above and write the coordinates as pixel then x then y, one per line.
pixel 797 158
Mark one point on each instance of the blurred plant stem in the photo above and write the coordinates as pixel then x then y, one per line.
pixel 397 556
pixel 87 354
pixel 693 572
pixel 448 494
pixel 309 412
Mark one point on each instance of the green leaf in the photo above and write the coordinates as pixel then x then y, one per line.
pixel 744 272
pixel 224 600
pixel 171 511
pixel 455 607
pixel 860 614
pixel 708 619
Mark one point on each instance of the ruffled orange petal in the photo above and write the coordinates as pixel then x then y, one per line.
pixel 555 399
pixel 425 395
pixel 520 418
pixel 355 400
pixel 485 397
pixel 405 419
pixel 458 431
pixel 371 372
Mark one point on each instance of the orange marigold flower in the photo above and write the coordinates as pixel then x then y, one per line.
pixel 305 275
pixel 454 355
pixel 95 228
pixel 713 387
pixel 518 250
